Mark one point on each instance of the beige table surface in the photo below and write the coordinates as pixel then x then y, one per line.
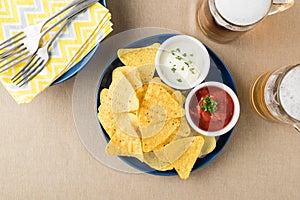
pixel 41 156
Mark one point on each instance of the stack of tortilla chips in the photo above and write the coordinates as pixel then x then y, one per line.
pixel 145 119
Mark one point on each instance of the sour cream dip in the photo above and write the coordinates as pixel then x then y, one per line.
pixel 182 62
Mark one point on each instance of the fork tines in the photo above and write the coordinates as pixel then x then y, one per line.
pixel 33 67
pixel 10 42
pixel 13 52
pixel 13 59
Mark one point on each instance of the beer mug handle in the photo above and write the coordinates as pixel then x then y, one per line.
pixel 297 127
pixel 280 5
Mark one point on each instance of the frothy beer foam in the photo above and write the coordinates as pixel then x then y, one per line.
pixel 243 12
pixel 290 93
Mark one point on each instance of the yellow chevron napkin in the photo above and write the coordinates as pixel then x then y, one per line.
pixel 81 36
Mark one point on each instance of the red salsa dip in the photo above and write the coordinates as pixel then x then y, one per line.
pixel 211 108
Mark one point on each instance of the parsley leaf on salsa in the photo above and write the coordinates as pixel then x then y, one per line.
pixel 209 105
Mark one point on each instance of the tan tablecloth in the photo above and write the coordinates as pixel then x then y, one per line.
pixel 41 156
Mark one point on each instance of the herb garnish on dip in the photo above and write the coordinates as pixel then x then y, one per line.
pixel 209 105
pixel 183 61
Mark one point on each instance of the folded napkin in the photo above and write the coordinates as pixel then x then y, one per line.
pixel 81 36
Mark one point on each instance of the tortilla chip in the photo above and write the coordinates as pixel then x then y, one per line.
pixel 137 75
pixel 159 115
pixel 184 128
pixel 126 122
pixel 185 163
pixel 171 138
pixel 174 150
pixel 157 80
pixel 161 136
pixel 124 98
pixel 139 56
pixel 113 150
pixel 160 154
pixel 209 145
pixel 128 143
pixel 146 73
pixel 153 161
pixel 105 114
pixel 178 97
pixel 131 74
pixel 141 92
pixel 139 78
pixel 182 132
pixel 123 69
pixel 105 97
pixel 117 75
pixel 166 168
pixel 157 95
pixel 107 121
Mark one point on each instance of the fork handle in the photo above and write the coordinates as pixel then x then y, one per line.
pixel 76 10
pixel 67 22
pixel 73 3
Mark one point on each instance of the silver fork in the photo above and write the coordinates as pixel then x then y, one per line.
pixel 38 61
pixel 29 46
pixel 30 31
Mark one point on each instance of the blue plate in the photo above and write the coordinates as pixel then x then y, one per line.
pixel 76 68
pixel 218 72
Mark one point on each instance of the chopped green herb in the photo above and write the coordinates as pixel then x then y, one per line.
pixel 187 64
pixel 178 50
pixel 182 68
pixel 178 57
pixel 209 105
pixel 179 80
pixel 190 62
pixel 173 70
pixel 184 55
pixel 173 52
pixel 191 54
pixel 192 70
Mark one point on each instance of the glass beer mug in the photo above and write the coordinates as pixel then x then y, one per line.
pixel 225 20
pixel 276 95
